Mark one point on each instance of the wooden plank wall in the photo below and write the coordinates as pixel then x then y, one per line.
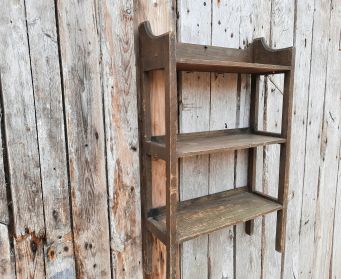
pixel 69 164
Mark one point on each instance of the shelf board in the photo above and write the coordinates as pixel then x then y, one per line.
pixel 213 212
pixel 190 57
pixel 191 144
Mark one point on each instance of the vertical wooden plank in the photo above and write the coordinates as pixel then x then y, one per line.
pixel 6 265
pixel 81 60
pixel 335 266
pixel 4 218
pixel 7 270
pixel 317 82
pixel 121 125
pixel 282 27
pixel 254 23
pixel 21 141
pixel 303 41
pixel 161 16
pixel 223 112
pixel 41 24
pixel 330 146
pixel 194 26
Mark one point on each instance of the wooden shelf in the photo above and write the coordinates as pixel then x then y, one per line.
pixel 180 221
pixel 191 144
pixel 203 65
pixel 210 213
pixel 190 57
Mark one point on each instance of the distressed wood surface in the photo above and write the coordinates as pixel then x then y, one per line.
pixel 4 217
pixel 21 142
pixel 194 26
pixel 7 270
pixel 254 23
pixel 317 80
pixel 336 256
pixel 161 15
pixel 207 214
pixel 97 55
pixel 330 146
pixel 43 47
pixel 303 41
pixel 79 29
pixel 281 36
pixel 121 126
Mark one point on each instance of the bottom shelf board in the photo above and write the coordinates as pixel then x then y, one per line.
pixel 213 212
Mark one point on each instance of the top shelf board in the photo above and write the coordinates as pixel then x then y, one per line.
pixel 258 58
pixel 214 59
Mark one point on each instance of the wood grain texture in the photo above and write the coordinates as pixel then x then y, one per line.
pixel 21 141
pixel 330 146
pixel 282 28
pixel 335 267
pixel 121 125
pixel 223 114
pixel 220 210
pixel 254 22
pixel 194 26
pixel 303 41
pixel 59 252
pixel 161 17
pixel 79 30
pixel 4 216
pixel 317 80
pixel 7 270
pixel 219 144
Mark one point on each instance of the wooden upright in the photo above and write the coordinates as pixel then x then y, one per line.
pixel 180 221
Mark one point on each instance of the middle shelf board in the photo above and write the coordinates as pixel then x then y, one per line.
pixel 213 212
pixel 191 144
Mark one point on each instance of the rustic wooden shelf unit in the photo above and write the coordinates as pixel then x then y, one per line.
pixel 180 221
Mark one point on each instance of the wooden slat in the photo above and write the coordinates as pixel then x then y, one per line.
pixel 21 142
pixel 4 217
pixel 330 151
pixel 121 123
pixel 214 142
pixel 59 256
pixel 303 42
pixel 223 114
pixel 210 65
pixel 6 264
pixel 204 215
pixel 275 163
pixel 194 26
pixel 254 22
pixel 314 120
pixel 80 53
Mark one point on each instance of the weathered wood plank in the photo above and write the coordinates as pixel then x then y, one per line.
pixel 6 260
pixel 121 123
pixel 223 112
pixel 160 14
pixel 282 27
pixel 254 23
pixel 303 41
pixel 330 146
pixel 4 217
pixel 194 26
pixel 335 266
pixel 207 214
pixel 79 30
pixel 41 24
pixel 21 141
pixel 317 80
